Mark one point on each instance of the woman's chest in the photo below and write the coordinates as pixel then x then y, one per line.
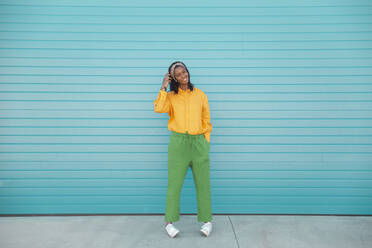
pixel 191 103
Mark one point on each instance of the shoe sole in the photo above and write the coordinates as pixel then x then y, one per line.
pixel 205 234
pixel 173 235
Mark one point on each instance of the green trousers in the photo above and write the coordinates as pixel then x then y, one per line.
pixel 185 149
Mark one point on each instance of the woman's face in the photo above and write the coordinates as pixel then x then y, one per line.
pixel 181 75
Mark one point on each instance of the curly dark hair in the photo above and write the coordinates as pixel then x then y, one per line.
pixel 174 84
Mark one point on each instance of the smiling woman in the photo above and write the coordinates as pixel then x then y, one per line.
pixel 189 143
pixel 181 75
pixel 186 105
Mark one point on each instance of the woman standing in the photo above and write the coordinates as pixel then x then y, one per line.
pixel 189 144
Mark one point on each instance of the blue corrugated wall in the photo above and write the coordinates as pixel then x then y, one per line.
pixel 289 85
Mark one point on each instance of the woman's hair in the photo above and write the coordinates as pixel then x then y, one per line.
pixel 173 84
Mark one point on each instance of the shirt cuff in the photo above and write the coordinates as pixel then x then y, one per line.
pixel 207 136
pixel 163 94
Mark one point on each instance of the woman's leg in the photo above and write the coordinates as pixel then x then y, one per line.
pixel 201 173
pixel 178 162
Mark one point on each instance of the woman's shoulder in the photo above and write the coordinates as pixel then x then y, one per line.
pixel 198 90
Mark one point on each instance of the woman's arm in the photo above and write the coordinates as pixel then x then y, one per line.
pixel 162 103
pixel 206 119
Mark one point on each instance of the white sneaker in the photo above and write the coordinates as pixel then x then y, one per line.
pixel 206 229
pixel 171 230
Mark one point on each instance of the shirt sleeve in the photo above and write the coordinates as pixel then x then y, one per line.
pixel 206 119
pixel 162 103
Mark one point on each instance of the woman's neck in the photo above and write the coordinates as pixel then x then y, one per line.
pixel 184 87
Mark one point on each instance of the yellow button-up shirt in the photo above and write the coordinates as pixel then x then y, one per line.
pixel 188 111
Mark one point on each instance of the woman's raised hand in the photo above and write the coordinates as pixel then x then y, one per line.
pixel 166 80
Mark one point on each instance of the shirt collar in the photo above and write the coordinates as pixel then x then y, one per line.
pixel 183 91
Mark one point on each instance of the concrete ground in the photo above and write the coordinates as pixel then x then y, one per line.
pixel 297 231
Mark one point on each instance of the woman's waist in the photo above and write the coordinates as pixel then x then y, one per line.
pixel 186 133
